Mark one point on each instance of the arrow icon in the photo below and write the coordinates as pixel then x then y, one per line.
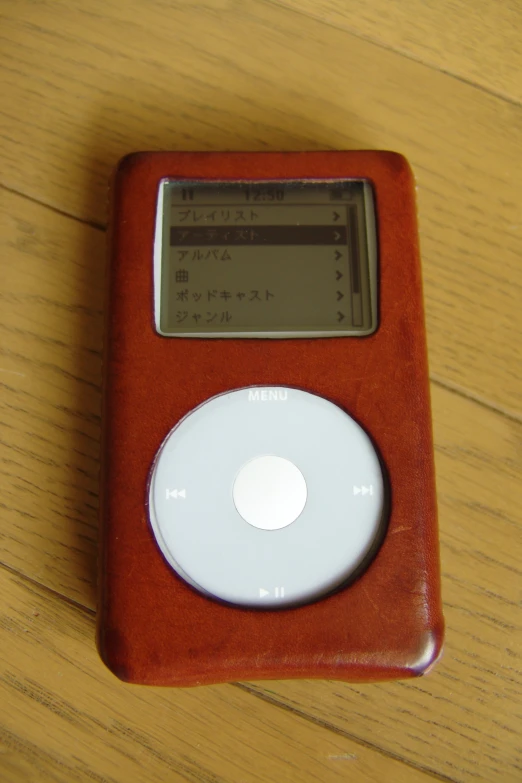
pixel 340 316
pixel 263 592
pixel 339 296
pixel 336 216
pixel 338 255
pixel 337 236
pixel 338 275
pixel 176 493
pixel 363 490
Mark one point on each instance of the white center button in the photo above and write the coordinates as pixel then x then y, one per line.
pixel 270 492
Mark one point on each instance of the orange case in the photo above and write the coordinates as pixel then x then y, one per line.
pixel 153 628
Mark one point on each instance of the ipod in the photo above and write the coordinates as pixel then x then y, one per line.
pixel 268 498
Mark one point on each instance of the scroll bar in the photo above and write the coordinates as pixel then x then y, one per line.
pixel 355 266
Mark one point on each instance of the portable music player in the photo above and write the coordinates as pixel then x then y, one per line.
pixel 268 500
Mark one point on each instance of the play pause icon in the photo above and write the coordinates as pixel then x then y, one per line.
pixel 279 592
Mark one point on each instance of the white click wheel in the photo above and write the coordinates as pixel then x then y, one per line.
pixel 267 497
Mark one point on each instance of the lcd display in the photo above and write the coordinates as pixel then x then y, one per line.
pixel 276 259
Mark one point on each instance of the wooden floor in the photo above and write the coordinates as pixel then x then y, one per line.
pixel 83 83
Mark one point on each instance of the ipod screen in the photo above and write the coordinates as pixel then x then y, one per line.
pixel 270 259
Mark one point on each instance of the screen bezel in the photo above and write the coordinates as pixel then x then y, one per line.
pixel 372 250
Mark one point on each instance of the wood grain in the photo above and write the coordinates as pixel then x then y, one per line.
pixel 50 368
pixel 66 718
pixel 51 317
pixel 478 42
pixel 86 83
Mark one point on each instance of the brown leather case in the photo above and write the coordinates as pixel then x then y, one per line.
pixel 152 627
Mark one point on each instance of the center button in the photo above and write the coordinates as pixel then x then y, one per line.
pixel 270 492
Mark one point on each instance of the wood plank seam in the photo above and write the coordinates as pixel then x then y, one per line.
pixel 41 587
pixel 462 392
pixel 402 53
pixel 56 210
pixel 270 699
pixel 461 720
pixel 35 588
